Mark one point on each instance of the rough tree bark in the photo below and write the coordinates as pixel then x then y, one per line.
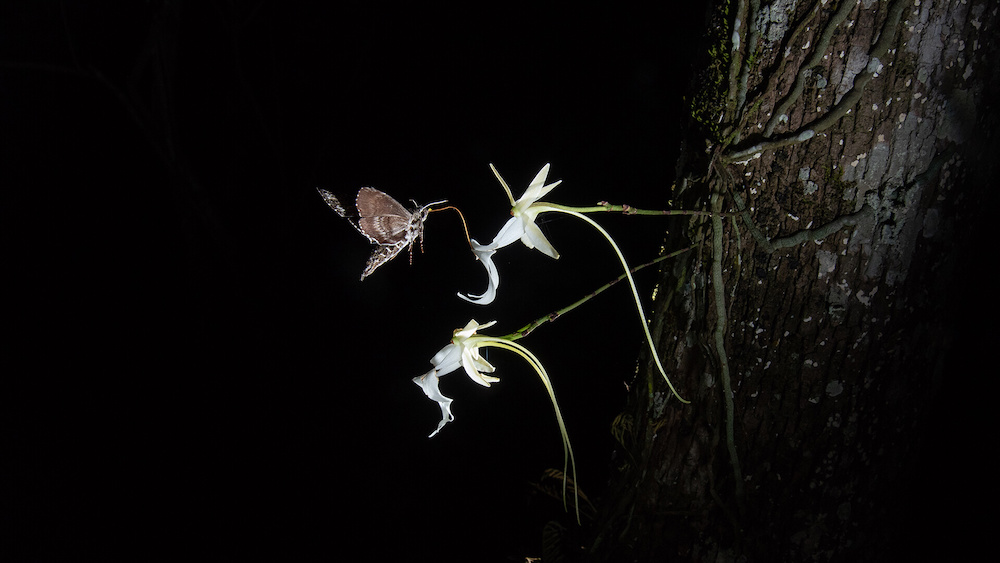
pixel 851 142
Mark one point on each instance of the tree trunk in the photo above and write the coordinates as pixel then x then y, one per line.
pixel 850 145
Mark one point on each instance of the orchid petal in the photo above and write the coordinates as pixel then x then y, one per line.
pixel 448 359
pixel 474 364
pixel 429 383
pixel 485 255
pixel 511 231
pixel 472 326
pixel 506 188
pixel 533 238
pixel 463 334
pixel 537 188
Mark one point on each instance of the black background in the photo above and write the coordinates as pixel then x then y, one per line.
pixel 194 369
pixel 206 374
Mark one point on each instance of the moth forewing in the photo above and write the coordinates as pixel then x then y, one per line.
pixel 374 203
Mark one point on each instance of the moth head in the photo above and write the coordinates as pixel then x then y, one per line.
pixel 420 215
pixel 416 230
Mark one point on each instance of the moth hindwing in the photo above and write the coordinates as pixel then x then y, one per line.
pixel 385 222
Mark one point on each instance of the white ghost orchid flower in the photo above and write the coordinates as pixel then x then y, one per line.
pixel 522 225
pixel 462 352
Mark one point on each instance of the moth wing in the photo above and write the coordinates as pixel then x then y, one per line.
pixel 382 218
pixel 335 204
pixel 332 201
pixel 385 229
pixel 381 255
pixel 374 203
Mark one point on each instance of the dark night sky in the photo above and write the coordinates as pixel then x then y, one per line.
pixel 204 364
pixel 206 374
